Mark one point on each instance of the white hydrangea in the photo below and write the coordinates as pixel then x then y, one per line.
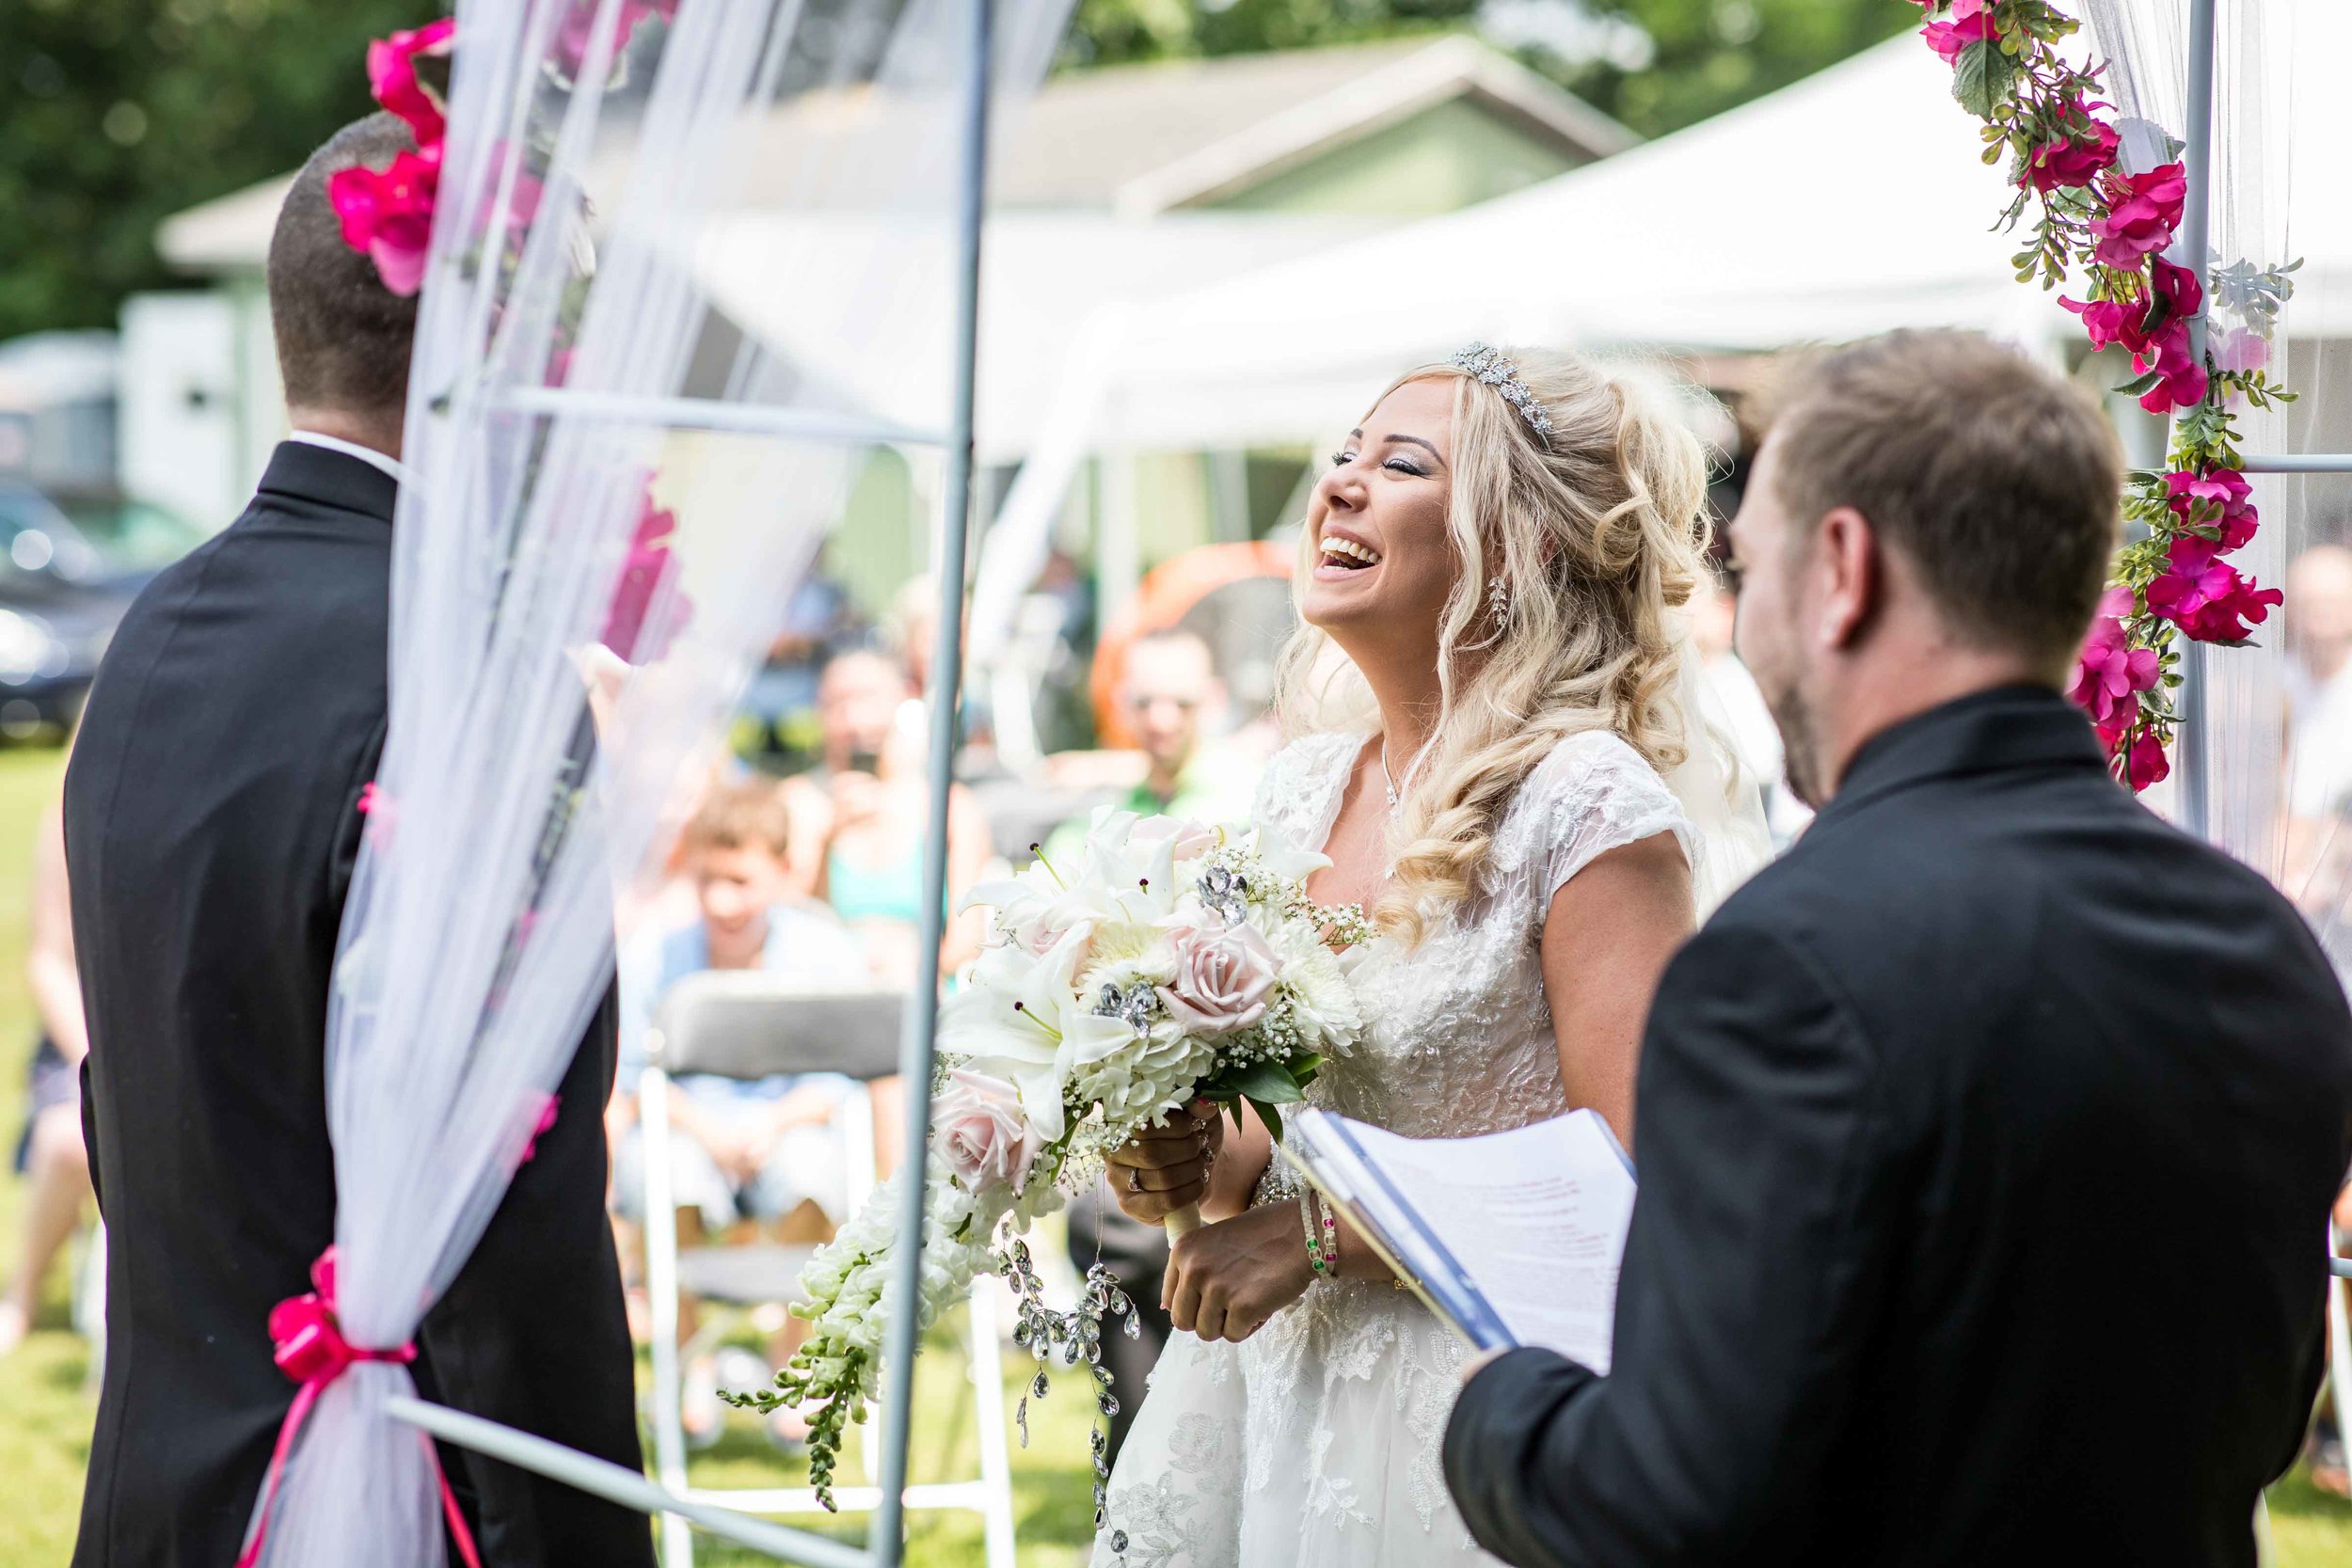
pixel 1138 1081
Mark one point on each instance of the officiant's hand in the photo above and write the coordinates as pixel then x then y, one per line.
pixel 1225 1279
pixel 1166 1167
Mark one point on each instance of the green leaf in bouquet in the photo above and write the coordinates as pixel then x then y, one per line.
pixel 1267 1084
pixel 1272 1117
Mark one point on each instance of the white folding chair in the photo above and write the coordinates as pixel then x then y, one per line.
pixel 747 1025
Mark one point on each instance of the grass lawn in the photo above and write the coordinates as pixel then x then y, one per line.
pixel 45 1407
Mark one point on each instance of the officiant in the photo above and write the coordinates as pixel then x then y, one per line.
pixel 212 819
pixel 1886 1297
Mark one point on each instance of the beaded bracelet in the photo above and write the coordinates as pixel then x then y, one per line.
pixel 1330 1237
pixel 1315 1258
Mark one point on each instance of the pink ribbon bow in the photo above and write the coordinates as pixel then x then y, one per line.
pixel 312 1351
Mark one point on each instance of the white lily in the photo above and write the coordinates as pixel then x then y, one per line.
pixel 1034 1034
pixel 1286 860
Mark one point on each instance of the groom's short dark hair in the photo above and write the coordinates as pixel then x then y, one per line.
pixel 2000 479
pixel 343 337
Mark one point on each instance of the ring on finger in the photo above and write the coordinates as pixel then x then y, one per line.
pixel 1135 1180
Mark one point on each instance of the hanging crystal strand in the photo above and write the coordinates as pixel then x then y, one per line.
pixel 1077 1336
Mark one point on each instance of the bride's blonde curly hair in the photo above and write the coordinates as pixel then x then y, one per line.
pixel 1597 536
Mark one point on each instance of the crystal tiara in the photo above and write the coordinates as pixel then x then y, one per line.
pixel 1496 369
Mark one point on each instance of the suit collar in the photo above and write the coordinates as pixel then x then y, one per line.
pixel 323 477
pixel 2007 728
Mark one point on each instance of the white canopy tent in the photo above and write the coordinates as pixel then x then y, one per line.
pixel 1045 273
pixel 1730 235
pixel 1851 203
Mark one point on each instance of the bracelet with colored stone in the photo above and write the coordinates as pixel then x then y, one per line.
pixel 1315 1258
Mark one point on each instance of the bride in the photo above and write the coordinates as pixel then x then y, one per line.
pixel 1493 687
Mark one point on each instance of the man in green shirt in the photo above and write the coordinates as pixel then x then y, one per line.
pixel 1171 695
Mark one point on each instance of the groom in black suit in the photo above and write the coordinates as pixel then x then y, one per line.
pixel 212 820
pixel 1986 1140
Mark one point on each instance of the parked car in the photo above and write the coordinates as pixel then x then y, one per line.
pixel 68 571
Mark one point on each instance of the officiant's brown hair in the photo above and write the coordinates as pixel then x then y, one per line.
pixel 343 338
pixel 2001 480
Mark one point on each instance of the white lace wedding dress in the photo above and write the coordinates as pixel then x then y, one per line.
pixel 1316 1442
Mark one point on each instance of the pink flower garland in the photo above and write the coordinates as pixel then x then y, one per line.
pixel 2113 225
pixel 389 212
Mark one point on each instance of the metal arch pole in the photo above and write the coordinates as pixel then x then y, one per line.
pixel 2194 250
pixel 922 1020
pixel 2303 462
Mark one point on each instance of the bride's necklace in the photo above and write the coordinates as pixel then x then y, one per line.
pixel 1388 778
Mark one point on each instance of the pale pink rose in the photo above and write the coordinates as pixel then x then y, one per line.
pixel 1192 838
pixel 981 1133
pixel 1223 975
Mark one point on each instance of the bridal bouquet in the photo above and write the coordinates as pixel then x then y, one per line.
pixel 1174 963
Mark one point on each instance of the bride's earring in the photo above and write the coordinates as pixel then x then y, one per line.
pixel 1499 611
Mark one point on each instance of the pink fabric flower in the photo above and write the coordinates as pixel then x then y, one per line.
pixel 2143 210
pixel 650 565
pixel 2121 322
pixel 393 76
pixel 2221 498
pixel 2183 380
pixel 2066 164
pixel 2146 764
pixel 2206 597
pixel 575 32
pixel 2241 351
pixel 981 1135
pixel 389 215
pixel 2111 674
pixel 1969 25
pixel 550 1104
pixel 1223 975
pixel 2177 289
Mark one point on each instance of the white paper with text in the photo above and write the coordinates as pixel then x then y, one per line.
pixel 1536 1218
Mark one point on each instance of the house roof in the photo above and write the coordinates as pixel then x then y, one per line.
pixel 1178 132
pixel 1137 139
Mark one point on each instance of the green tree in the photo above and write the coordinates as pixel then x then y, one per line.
pixel 1108 32
pixel 1708 55
pixel 1658 65
pixel 114 114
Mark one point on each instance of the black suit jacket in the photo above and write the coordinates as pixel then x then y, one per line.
pixel 1986 1146
pixel 211 825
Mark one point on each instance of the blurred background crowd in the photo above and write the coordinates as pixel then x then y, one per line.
pixel 1184 146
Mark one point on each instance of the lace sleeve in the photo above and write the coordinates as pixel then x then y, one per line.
pixel 1593 794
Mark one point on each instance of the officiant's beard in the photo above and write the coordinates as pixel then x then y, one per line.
pixel 1798 754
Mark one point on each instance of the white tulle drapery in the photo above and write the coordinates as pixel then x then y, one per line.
pixel 571 381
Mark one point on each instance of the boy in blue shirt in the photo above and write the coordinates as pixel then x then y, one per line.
pixel 740 1151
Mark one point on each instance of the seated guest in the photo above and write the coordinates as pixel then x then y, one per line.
pixel 873 864
pixel 51 1154
pixel 742 1150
